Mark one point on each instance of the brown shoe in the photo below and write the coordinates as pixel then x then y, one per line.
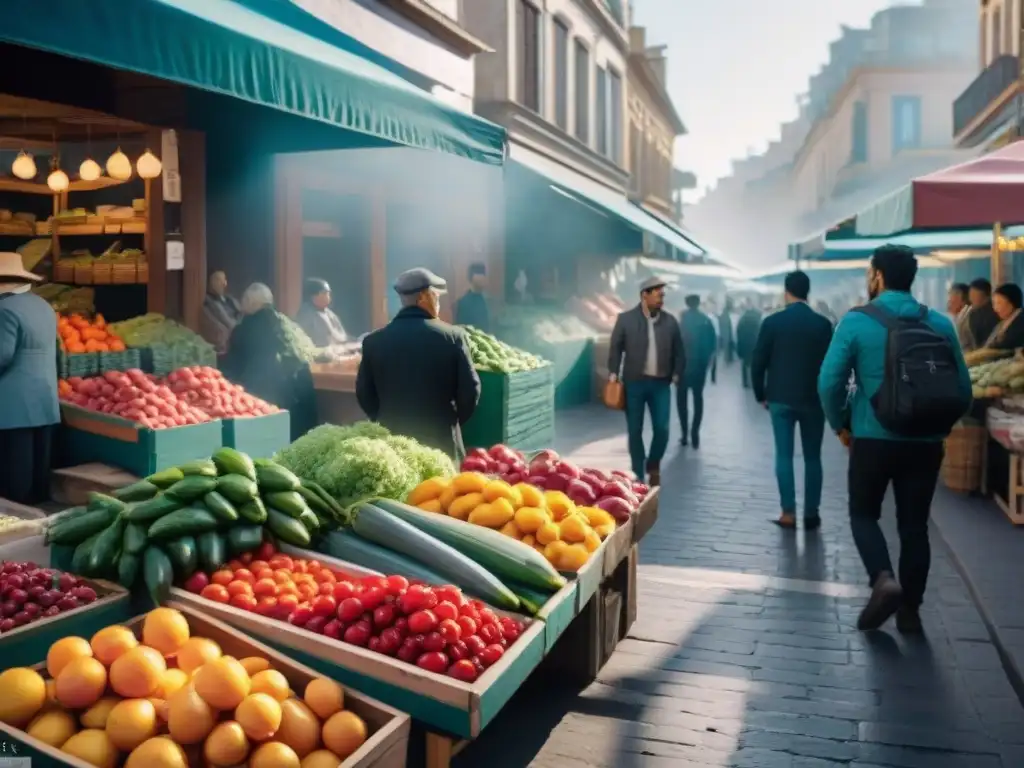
pixel 886 597
pixel 786 520
pixel 653 473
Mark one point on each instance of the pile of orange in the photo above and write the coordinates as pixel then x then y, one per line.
pixel 78 334
pixel 174 700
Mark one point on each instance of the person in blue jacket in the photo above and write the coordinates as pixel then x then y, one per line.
pixel 878 457
pixel 700 343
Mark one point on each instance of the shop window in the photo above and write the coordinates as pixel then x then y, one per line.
pixel 561 75
pixel 528 74
pixel 601 110
pixel 906 123
pixel 582 96
pixel 859 133
pixel 615 116
pixel 636 150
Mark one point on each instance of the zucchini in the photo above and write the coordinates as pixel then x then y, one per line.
pixel 253 511
pixel 135 539
pixel 243 538
pixel 184 556
pixel 99 500
pixel 289 502
pixel 158 573
pixel 231 462
pixel 80 559
pixel 314 502
pixel 211 550
pixel 192 488
pixel 530 599
pixel 339 511
pixel 506 558
pixel 190 521
pixel 309 519
pixel 81 527
pixel 152 510
pixel 274 477
pixel 345 545
pixel 380 527
pixel 165 478
pixel 107 548
pixel 287 529
pixel 237 489
pixel 140 491
pixel 220 506
pixel 200 467
pixel 128 569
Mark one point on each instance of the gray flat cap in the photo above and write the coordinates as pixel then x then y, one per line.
pixel 651 283
pixel 419 279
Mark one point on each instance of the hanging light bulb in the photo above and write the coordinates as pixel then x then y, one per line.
pixel 89 170
pixel 149 165
pixel 24 166
pixel 119 166
pixel 58 181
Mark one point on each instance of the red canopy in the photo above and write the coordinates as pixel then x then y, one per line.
pixel 977 193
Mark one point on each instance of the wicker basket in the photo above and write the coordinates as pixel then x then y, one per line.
pixel 962 465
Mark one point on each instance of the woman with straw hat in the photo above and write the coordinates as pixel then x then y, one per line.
pixel 28 384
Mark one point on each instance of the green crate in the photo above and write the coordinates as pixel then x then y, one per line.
pixel 81 364
pixel 258 436
pixel 119 361
pixel 98 437
pixel 515 409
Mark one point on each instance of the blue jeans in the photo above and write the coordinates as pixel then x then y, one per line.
pixel 811 419
pixel 654 395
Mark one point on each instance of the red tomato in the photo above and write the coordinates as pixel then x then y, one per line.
pixel 265 587
pixel 216 592
pixel 244 574
pixel 350 609
pixel 324 605
pixel 463 670
pixel 244 601
pixel 467 625
pixel 433 662
pixel 397 584
pixel 450 631
pixel 282 576
pixel 234 565
pixel 487 616
pixel 449 593
pixel 372 597
pixel 475 643
pixel 422 622
pixel 344 590
pixel 266 606
pixel 281 562
pixel 446 610
pixel 222 577
pixel 240 588
pixel 490 633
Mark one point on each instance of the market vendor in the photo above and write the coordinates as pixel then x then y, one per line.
pixel 982 319
pixel 317 319
pixel 1009 334
pixel 261 359
pixel 221 313
pixel 28 385
pixel 472 308
pixel 416 377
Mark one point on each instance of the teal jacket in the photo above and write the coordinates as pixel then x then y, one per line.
pixel 859 346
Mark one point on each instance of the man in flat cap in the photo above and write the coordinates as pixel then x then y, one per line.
pixel 416 377
pixel 700 344
pixel 646 352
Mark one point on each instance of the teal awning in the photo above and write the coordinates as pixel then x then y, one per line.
pixel 593 194
pixel 224 47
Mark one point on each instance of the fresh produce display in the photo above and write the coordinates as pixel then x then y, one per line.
pixel 191 517
pixel 79 334
pixel 206 388
pixel 132 395
pixel 30 592
pixel 10 525
pixel 616 491
pixel 599 310
pixel 167 339
pixel 67 299
pixel 490 354
pixel 299 343
pixel 985 355
pixel 163 697
pixel 362 461
pixel 434 627
pixel 997 377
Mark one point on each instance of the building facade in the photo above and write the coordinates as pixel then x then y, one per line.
pixel 654 126
pixel 989 110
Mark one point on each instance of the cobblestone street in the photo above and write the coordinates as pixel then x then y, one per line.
pixel 744 653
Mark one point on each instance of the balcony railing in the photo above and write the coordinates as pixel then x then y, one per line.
pixel 996 78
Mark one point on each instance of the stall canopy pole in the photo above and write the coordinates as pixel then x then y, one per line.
pixel 997 256
pixel 1019 133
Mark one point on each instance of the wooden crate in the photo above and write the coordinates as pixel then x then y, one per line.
pixel 616 547
pixel 516 409
pixel 442 703
pixel 386 747
pixel 72 485
pixel 646 515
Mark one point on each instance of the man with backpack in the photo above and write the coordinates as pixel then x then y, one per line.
pixel 912 387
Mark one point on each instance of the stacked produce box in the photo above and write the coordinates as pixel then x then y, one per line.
pixel 165 344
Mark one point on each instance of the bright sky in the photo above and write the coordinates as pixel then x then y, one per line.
pixel 735 67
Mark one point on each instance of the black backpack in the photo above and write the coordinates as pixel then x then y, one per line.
pixel 920 394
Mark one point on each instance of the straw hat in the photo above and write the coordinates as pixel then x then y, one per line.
pixel 12 268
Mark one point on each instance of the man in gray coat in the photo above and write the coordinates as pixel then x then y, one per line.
pixel 646 352
pixel 28 385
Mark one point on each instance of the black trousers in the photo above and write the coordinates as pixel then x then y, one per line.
pixel 913 469
pixel 696 386
pixel 25 456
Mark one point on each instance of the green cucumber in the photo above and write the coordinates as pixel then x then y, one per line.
pixel 232 462
pixel 135 539
pixel 140 491
pixel 289 502
pixel 128 569
pixel 273 478
pixel 530 599
pixel 184 555
pixel 253 511
pixel 158 573
pixel 309 519
pixel 220 506
pixel 314 502
pixel 192 488
pixel 103 501
pixel 212 552
pixel 339 511
pixel 237 489
pixel 165 478
pixel 345 545
pixel 152 510
pixel 287 529
pixel 200 467
pixel 506 558
pixel 106 549
pixel 190 521
pixel 80 528
pixel 243 538
pixel 80 559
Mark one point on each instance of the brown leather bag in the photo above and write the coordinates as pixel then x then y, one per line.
pixel 614 395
